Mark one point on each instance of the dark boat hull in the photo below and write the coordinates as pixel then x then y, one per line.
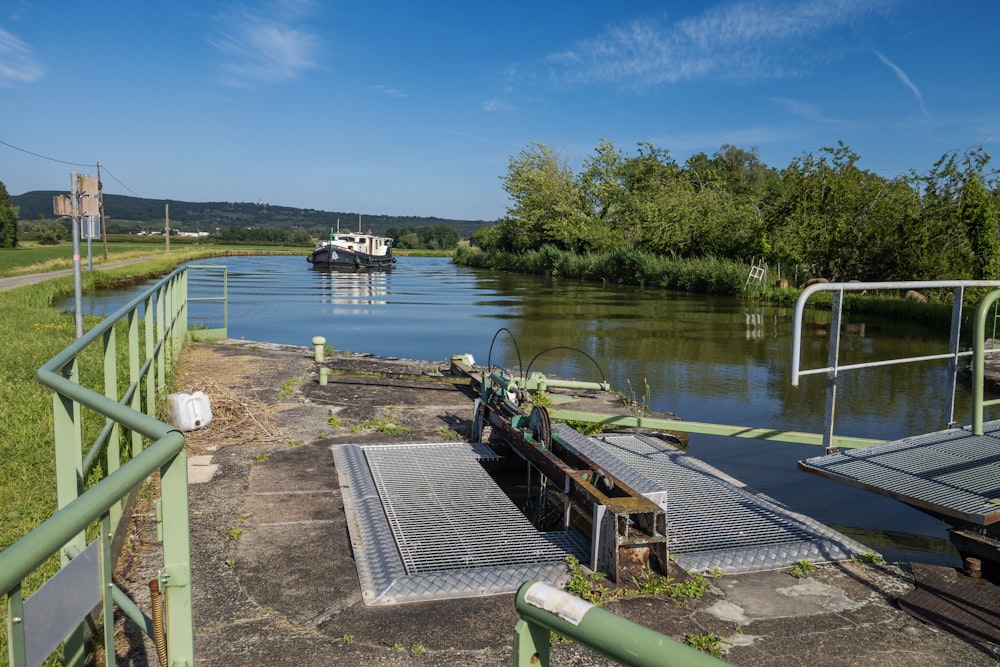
pixel 337 258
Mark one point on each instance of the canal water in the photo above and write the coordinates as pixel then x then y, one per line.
pixel 707 359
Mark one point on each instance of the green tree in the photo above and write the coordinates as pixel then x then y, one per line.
pixel 829 216
pixel 8 219
pixel 953 241
pixel 982 224
pixel 546 206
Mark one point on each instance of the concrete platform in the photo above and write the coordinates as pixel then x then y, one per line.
pixel 274 577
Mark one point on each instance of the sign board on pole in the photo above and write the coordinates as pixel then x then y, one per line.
pixel 88 185
pixel 62 205
pixel 90 206
pixel 91 227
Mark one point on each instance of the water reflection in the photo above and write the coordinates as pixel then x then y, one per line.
pixel 349 291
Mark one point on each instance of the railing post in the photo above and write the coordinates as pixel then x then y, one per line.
pixel 531 644
pixel 176 573
pixel 979 360
pixel 134 367
pixel 833 359
pixel 161 336
pixel 113 447
pixel 150 325
pixel 68 435
pixel 182 307
pixel 954 340
pixel 16 647
pixel 107 567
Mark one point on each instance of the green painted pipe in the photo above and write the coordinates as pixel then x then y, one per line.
pixel 612 636
pixel 843 442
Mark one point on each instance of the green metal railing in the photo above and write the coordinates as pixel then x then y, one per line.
pixel 979 361
pixel 36 625
pixel 544 609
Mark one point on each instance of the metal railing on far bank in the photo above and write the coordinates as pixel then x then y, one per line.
pixel 98 481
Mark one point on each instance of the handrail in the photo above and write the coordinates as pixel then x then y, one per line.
pixel 834 367
pixel 22 557
pixel 544 609
pixel 979 363
pixel 165 322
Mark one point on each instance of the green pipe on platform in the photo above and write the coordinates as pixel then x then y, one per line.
pixel 658 424
pixel 543 608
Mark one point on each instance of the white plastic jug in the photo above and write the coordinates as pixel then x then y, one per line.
pixel 189 411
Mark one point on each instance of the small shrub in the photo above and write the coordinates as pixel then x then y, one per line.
pixel 802 568
pixel 868 558
pixel 707 642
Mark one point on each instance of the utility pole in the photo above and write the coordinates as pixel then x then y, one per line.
pixel 74 185
pixel 100 205
pixel 166 208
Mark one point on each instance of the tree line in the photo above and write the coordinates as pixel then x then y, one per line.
pixel 126 214
pixel 822 212
pixel 434 237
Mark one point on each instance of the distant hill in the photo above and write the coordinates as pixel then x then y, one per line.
pixel 126 214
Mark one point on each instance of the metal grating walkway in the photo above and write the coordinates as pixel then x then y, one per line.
pixel 714 521
pixel 427 522
pixel 951 473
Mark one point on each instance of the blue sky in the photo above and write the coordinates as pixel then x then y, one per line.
pixel 392 108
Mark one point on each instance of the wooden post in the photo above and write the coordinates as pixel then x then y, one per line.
pixel 166 208
pixel 100 207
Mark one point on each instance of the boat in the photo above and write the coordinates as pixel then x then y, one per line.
pixel 353 250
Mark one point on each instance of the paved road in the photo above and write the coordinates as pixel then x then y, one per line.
pixel 32 278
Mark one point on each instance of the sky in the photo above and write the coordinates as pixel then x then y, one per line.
pixel 401 108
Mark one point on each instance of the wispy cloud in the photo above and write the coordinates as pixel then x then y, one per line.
pixel 807 110
pixel 710 140
pixel 741 41
pixel 264 44
pixel 497 104
pixel 17 61
pixel 390 92
pixel 905 80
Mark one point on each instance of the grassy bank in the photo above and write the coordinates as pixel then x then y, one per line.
pixel 31 258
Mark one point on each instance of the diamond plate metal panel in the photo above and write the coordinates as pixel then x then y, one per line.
pixel 951 472
pixel 428 523
pixel 714 522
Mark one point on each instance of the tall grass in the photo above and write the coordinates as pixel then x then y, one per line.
pixel 708 275
pixel 627 265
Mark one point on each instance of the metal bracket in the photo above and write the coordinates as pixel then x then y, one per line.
pixel 174 576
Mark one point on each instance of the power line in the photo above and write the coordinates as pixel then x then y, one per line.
pixel 108 171
pixel 74 164
pixel 44 157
